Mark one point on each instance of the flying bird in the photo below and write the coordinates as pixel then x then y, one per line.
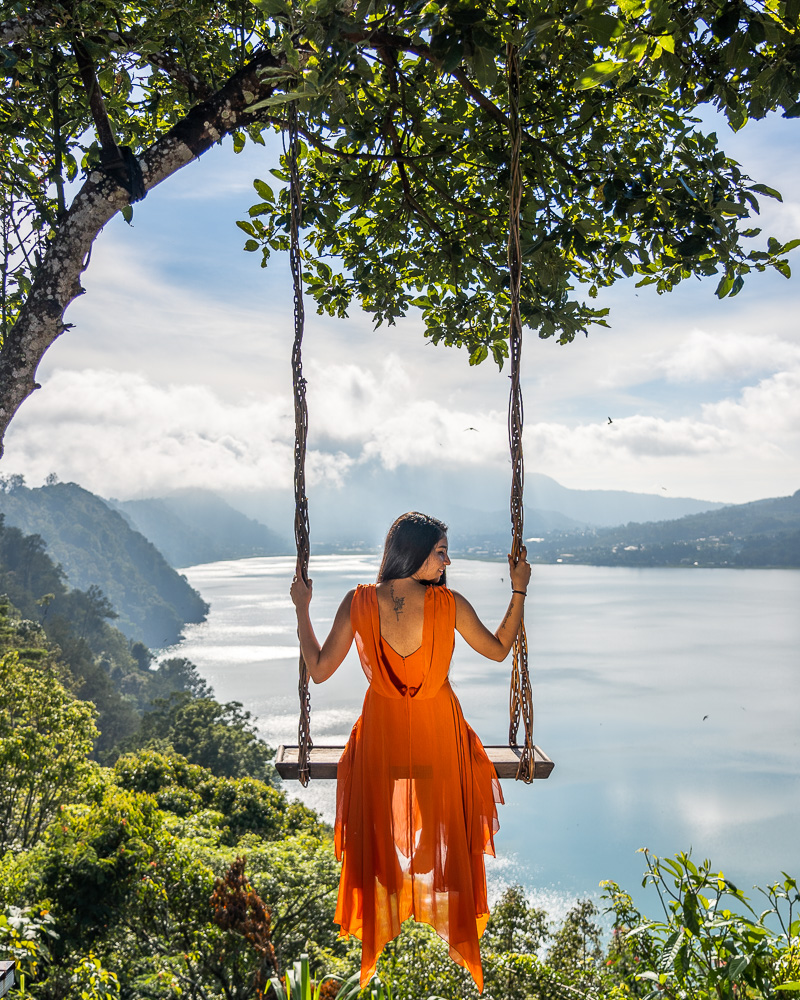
pixel 704 718
pixel 610 420
pixel 470 428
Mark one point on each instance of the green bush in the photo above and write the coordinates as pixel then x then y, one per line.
pixel 709 942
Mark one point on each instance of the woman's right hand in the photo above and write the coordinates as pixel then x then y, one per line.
pixel 520 571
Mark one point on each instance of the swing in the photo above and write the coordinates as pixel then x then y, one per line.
pixel 526 762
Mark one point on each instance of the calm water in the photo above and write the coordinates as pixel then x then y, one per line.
pixel 668 699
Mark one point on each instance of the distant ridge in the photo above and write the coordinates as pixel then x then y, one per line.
pixel 605 508
pixel 96 546
pixel 197 526
pixel 763 533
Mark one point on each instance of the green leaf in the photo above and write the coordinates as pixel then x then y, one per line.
pixel 652 976
pixel 480 354
pixel 263 190
pixel 723 288
pixel 277 99
pixel 238 142
pixel 794 985
pixel 601 72
pixel 792 112
pixel 690 917
pixel 484 66
pixel 291 52
pixel 736 967
pixel 127 214
pixel 768 191
pixel 262 208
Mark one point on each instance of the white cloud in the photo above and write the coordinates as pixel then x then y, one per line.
pixel 386 413
pixel 118 434
pixel 703 356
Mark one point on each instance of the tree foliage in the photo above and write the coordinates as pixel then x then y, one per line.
pixel 404 113
pixel 45 738
pixel 219 737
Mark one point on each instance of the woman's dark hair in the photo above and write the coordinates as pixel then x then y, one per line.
pixel 409 542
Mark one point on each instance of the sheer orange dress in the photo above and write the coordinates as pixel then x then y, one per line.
pixel 416 795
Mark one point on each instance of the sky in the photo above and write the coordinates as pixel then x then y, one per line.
pixel 176 369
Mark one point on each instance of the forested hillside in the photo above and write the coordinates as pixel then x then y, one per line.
pixel 197 526
pixel 138 703
pixel 765 533
pixel 96 547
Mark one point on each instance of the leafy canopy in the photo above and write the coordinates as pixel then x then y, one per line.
pixel 404 115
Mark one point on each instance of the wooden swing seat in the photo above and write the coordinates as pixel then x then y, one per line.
pixel 323 762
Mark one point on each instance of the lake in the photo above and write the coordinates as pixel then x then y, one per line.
pixel 668 698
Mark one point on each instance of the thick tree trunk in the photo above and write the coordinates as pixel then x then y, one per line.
pixel 57 283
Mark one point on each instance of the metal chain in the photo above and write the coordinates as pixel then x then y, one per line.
pixel 521 696
pixel 301 527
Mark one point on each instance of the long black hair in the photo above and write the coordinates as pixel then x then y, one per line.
pixel 409 542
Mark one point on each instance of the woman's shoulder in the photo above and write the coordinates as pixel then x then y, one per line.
pixel 446 596
pixel 361 593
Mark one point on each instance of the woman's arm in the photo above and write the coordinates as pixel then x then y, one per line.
pixel 496 646
pixel 322 661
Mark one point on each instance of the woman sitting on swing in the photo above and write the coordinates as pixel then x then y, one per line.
pixel 416 794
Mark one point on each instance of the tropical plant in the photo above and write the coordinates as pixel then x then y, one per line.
pixel 298 984
pixel 711 942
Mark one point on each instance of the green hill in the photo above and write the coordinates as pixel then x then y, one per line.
pixel 95 546
pixel 197 526
pixel 764 533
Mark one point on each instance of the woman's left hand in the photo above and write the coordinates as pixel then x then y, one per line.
pixel 300 591
pixel 520 571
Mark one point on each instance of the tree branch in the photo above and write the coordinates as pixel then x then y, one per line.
pixel 383 40
pixel 57 281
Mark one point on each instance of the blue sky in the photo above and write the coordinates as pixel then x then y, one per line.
pixel 176 371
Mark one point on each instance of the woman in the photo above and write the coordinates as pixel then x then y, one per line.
pixel 416 794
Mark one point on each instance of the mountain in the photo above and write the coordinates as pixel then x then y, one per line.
pixel 197 526
pixel 763 533
pixel 474 503
pixel 96 546
pixel 605 508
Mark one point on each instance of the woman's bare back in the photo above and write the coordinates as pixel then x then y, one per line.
pixel 401 606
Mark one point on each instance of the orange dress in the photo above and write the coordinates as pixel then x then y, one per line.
pixel 416 795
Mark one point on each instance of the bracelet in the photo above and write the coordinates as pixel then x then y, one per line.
pixel 523 592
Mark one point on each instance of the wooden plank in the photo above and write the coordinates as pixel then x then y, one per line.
pixel 6 977
pixel 324 762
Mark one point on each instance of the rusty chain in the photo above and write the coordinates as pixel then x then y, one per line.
pixel 301 526
pixel 521 696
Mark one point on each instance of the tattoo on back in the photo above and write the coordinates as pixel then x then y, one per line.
pixel 398 602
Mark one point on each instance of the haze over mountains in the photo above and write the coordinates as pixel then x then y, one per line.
pixel 360 513
pixel 196 526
